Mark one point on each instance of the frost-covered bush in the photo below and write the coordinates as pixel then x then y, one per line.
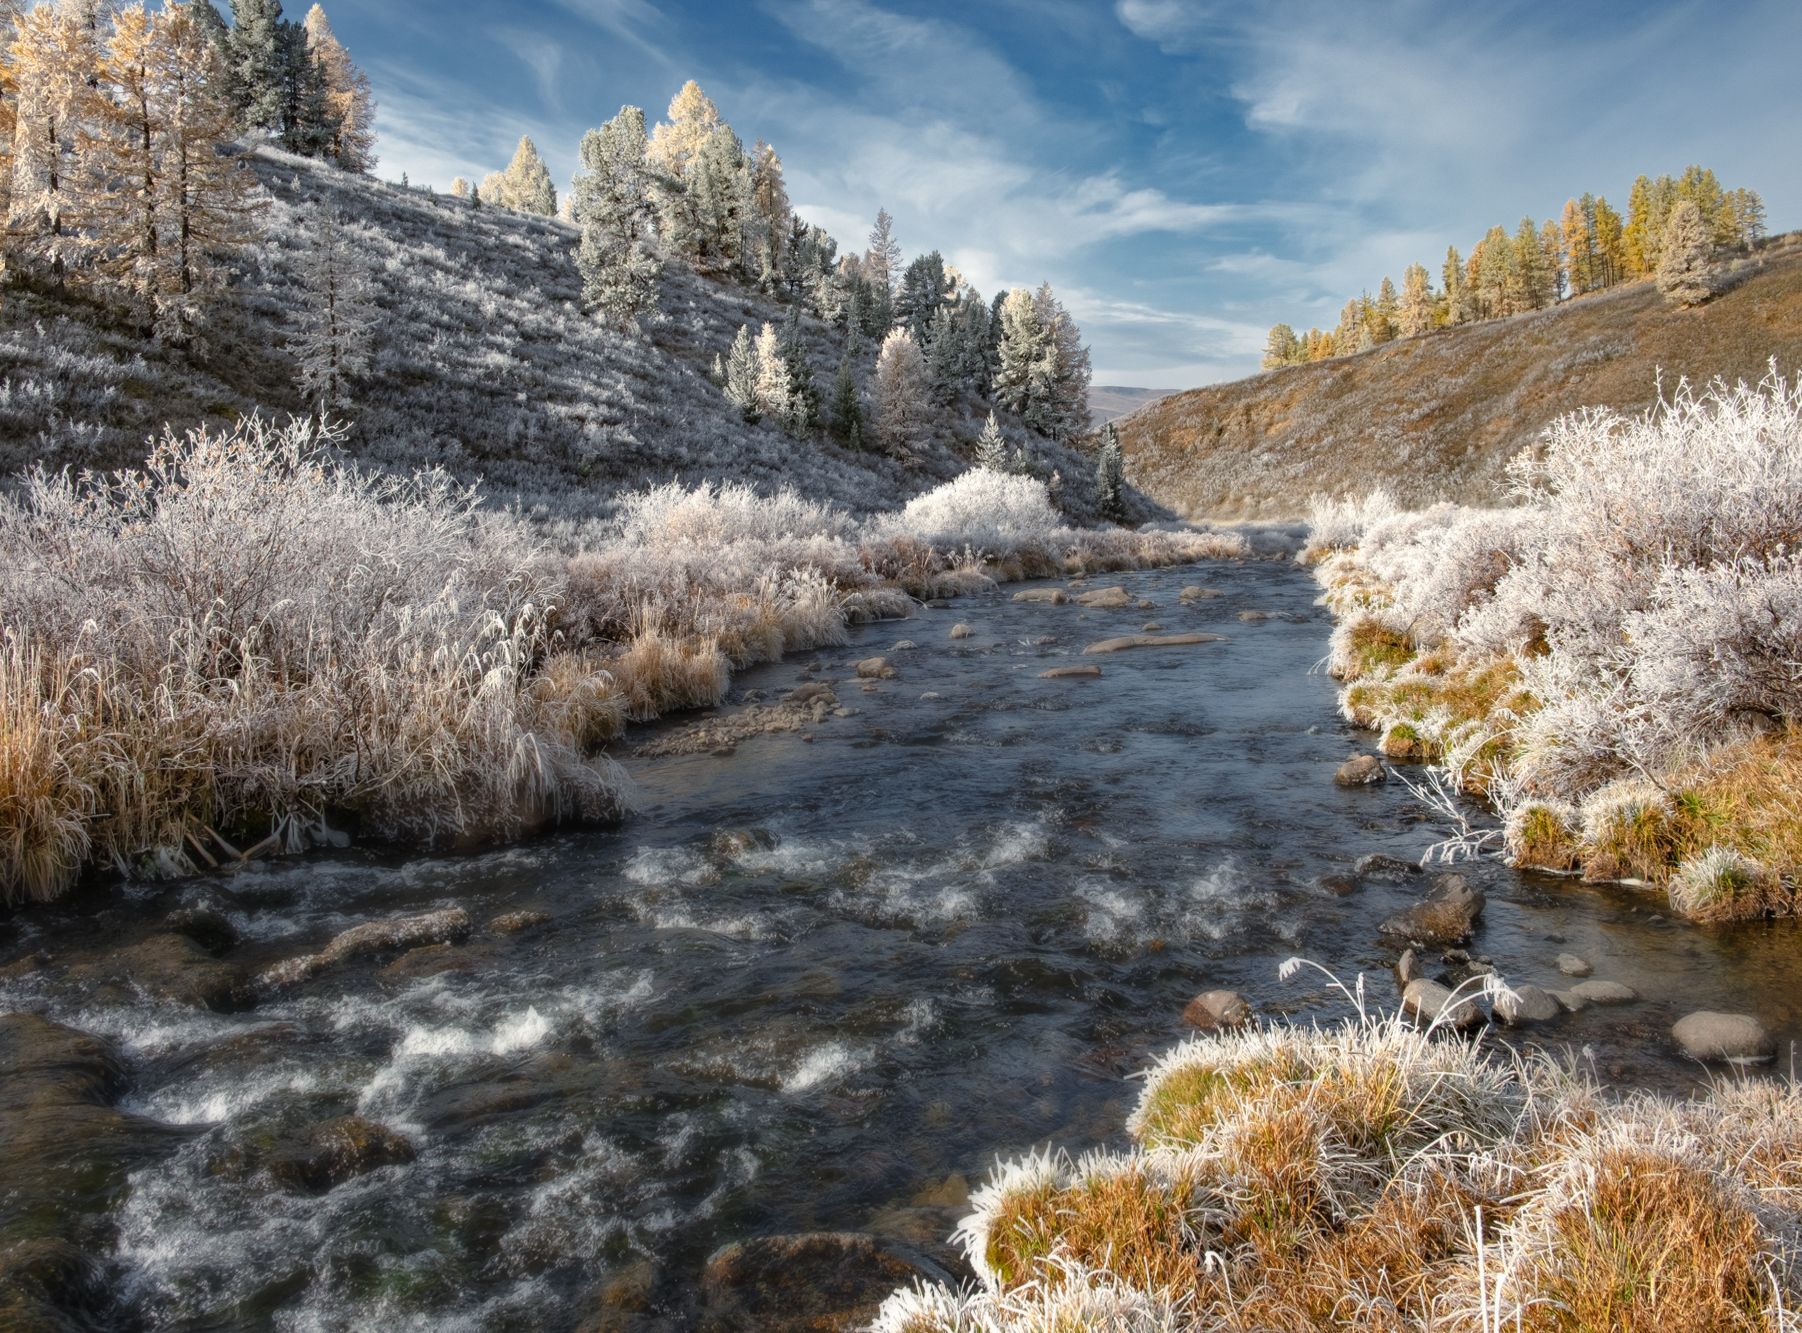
pixel 1340 524
pixel 994 512
pixel 245 637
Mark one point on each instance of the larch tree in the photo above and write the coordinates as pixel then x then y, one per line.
pixel 1281 347
pixel 55 66
pixel 207 201
pixel 121 162
pixel 1551 245
pixel 705 217
pixel 349 103
pixel 10 11
pixel 611 202
pixel 901 402
pixel 1607 235
pixel 1457 296
pixel 1683 255
pixel 459 187
pixel 336 337
pixel 774 387
pixel 771 219
pixel 1414 312
pixel 525 186
pixel 692 120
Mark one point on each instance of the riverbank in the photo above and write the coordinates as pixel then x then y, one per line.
pixel 1609 663
pixel 248 648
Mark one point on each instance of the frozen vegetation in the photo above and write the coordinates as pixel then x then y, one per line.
pixel 248 643
pixel 1375 1176
pixel 1616 661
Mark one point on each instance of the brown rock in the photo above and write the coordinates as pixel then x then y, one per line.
pixel 818 1282
pixel 875 668
pixel 328 1154
pixel 1049 596
pixel 1071 673
pixel 369 940
pixel 511 923
pixel 1149 641
pixel 1217 1009
pixel 962 631
pixel 1107 599
pixel 1360 771
pixel 1448 916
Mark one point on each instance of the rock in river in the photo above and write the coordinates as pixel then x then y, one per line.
pixel 1126 641
pixel 329 1153
pixel 1050 596
pixel 1217 1009
pixel 1733 1038
pixel 811 1283
pixel 369 940
pixel 1447 916
pixel 1070 673
pixel 1527 1003
pixel 1360 771
pixel 1428 1001
pixel 1604 992
pixel 1108 599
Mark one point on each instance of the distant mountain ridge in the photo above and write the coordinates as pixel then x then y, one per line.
pixel 1110 402
pixel 1438 417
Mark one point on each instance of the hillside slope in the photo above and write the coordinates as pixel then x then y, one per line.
pixel 485 365
pixel 1438 417
pixel 1110 402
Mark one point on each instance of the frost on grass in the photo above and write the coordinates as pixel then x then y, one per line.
pixel 247 641
pixel 1375 1176
pixel 1636 618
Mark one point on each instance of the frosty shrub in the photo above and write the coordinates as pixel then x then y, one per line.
pixel 997 512
pixel 1338 525
pixel 1642 602
pixel 245 637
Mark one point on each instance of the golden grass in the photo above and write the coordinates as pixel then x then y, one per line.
pixel 1370 1177
pixel 45 801
pixel 1646 1244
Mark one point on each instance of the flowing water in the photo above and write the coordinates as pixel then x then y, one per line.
pixel 818 983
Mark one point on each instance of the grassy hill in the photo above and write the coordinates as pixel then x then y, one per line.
pixel 1438 417
pixel 485 365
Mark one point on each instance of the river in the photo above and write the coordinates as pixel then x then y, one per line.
pixel 817 983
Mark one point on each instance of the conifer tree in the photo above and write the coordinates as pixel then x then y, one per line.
pixel 525 186
pixel 349 104
pixel 1457 296
pixel 121 162
pixel 55 66
pixel 883 257
pixel 1110 476
pixel 901 405
pixel 254 62
pixel 742 375
pixel 921 295
pixel 1528 281
pixel 459 187
pixel 944 355
pixel 1609 254
pixel 1551 246
pixel 1683 254
pixel 774 388
pixel 1414 312
pixel 1024 347
pixel 1281 347
pixel 846 419
pixel 337 319
pixel 991 446
pixel 771 218
pixel 692 120
pixel 612 204
pixel 208 204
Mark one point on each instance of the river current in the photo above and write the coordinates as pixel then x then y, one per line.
pixel 817 983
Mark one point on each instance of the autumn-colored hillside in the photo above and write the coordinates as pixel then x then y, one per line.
pixel 1439 416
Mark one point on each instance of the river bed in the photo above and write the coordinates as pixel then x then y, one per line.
pixel 817 983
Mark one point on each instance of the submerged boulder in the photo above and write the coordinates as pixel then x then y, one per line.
pixel 331 1152
pixel 875 668
pixel 1604 992
pixel 962 631
pixel 1107 599
pixel 172 966
pixel 369 940
pixel 1431 1002
pixel 1527 1003
pixel 1388 869
pixel 1049 596
pixel 1070 673
pixel 816 1282
pixel 1126 641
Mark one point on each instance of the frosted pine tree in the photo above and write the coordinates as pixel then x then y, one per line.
pixel 991 446
pixel 884 254
pixel 846 419
pixel 1109 476
pixel 611 202
pixel 803 411
pixel 1024 345
pixel 1684 248
pixel 774 387
pixel 717 202
pixel 741 374
pixel 770 216
pixel 350 106
pixel 337 316
pixel 255 65
pixel 901 403
pixel 1414 315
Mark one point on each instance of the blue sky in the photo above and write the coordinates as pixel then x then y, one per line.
pixel 1184 173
